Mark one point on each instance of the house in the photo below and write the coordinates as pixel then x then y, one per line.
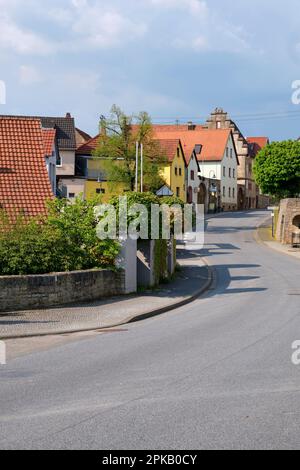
pixel 91 170
pixel 255 145
pixel 25 185
pixel 248 190
pixel 68 184
pixel 217 158
pixel 196 185
pixel 173 171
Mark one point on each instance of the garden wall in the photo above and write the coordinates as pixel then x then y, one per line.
pixel 50 290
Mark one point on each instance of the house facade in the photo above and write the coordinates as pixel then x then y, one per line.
pixel 248 191
pixel 173 171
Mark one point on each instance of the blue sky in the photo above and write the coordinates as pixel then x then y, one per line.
pixel 172 58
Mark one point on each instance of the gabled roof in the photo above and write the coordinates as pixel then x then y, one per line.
pixel 213 142
pixel 83 134
pixel 65 129
pixel 49 141
pixel 169 147
pixel 165 190
pixel 87 148
pixel 256 144
pixel 24 181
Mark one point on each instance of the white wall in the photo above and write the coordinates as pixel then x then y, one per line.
pixel 67 167
pixel 194 184
pixel 229 162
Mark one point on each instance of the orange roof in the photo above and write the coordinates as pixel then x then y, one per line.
pixel 213 141
pixel 24 181
pixel 169 147
pixel 260 141
pixel 89 146
pixel 49 141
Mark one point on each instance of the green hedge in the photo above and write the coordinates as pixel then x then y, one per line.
pixel 64 240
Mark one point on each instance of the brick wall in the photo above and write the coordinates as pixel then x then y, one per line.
pixel 43 291
pixel 289 209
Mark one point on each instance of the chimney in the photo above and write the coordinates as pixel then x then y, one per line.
pixel 68 115
pixel 191 126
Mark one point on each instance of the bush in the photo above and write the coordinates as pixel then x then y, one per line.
pixel 64 240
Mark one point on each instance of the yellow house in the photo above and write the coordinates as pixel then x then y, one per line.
pixel 174 170
pixel 90 169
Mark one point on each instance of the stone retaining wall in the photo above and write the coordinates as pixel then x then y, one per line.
pixel 50 290
pixel 288 214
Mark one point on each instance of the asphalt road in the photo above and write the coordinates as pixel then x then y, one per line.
pixel 215 374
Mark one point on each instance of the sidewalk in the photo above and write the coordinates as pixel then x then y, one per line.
pixel 264 236
pixel 192 280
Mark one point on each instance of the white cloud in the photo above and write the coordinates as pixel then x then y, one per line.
pixel 21 40
pixel 29 75
pixel 194 6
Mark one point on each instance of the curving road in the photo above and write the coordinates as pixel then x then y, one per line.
pixel 215 374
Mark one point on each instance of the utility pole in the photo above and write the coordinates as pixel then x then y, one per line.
pixel 137 168
pixel 142 168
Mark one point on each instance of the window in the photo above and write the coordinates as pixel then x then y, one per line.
pixel 58 160
pixel 231 153
pixel 178 192
pixel 180 172
pixel 192 175
pixel 100 191
pixel 178 153
pixel 224 191
pixel 176 171
pixel 71 195
pixel 229 172
pixel 233 173
pixel 229 192
pixel 227 152
pixel 233 193
pixel 224 171
pixel 218 124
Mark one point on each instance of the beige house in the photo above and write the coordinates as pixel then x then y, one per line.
pixel 248 192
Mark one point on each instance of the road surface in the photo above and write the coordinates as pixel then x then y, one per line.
pixel 216 374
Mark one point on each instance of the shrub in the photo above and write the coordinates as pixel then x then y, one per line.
pixel 64 240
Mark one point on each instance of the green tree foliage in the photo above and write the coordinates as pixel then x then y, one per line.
pixel 64 240
pixel 116 152
pixel 277 169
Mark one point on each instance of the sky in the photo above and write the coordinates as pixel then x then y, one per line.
pixel 176 59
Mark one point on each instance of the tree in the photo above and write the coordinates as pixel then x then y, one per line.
pixel 277 169
pixel 116 151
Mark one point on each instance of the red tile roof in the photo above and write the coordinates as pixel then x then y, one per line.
pixel 213 141
pixel 88 147
pixel 49 141
pixel 24 181
pixel 260 141
pixel 169 147
pixel 256 144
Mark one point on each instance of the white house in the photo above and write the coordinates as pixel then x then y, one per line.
pixel 218 162
pixel 192 178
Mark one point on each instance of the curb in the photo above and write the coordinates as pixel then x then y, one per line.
pixel 132 319
pixel 259 240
